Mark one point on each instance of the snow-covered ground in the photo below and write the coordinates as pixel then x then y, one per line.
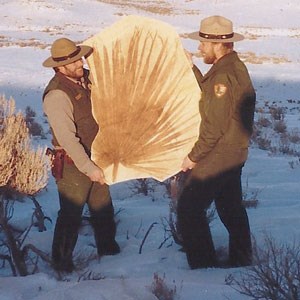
pixel 271 51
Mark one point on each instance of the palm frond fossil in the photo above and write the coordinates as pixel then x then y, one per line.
pixel 145 99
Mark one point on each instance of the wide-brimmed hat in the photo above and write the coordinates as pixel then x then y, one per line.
pixel 216 29
pixel 65 51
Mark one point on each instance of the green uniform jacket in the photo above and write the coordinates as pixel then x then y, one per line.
pixel 227 109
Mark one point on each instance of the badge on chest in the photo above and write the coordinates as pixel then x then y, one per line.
pixel 220 89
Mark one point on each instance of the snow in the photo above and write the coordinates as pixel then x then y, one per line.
pixel 272 30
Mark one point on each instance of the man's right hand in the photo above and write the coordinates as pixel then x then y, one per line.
pixel 189 56
pixel 98 176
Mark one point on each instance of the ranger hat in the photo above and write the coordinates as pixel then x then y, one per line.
pixel 65 51
pixel 216 29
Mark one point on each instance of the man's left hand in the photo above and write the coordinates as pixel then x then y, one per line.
pixel 187 164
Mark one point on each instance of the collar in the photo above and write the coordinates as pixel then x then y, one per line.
pixel 227 59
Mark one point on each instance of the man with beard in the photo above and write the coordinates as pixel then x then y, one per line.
pixel 67 104
pixel 227 109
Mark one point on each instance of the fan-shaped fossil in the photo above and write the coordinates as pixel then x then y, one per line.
pixel 145 100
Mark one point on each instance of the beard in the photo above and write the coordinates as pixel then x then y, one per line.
pixel 209 58
pixel 75 73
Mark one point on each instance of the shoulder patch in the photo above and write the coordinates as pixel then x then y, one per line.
pixel 78 96
pixel 220 89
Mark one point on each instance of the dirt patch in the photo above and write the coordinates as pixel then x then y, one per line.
pixel 8 42
pixel 155 7
pixel 251 57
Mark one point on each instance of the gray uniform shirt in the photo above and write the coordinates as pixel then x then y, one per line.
pixel 59 110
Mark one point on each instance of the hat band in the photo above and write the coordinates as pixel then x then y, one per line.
pixel 62 58
pixel 215 36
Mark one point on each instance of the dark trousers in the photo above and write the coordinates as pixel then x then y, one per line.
pixel 75 190
pixel 225 189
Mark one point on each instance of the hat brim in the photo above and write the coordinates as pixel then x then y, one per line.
pixel 236 38
pixel 85 51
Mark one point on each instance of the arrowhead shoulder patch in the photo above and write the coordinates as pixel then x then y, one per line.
pixel 78 96
pixel 220 89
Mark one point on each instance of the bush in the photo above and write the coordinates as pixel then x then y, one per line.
pixel 250 197
pixel 275 274
pixel 264 143
pixel 294 136
pixel 160 289
pixel 277 113
pixel 280 126
pixel 23 170
pixel 294 163
pixel 35 129
pixel 263 122
pixel 272 128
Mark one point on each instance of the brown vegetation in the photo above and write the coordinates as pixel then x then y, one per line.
pixel 274 275
pixel 21 167
pixel 23 170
